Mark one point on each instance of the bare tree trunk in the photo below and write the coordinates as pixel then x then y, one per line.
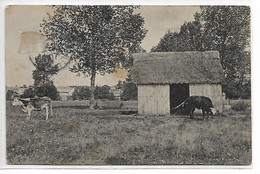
pixel 92 89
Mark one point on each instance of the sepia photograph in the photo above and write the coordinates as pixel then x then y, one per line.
pixel 109 85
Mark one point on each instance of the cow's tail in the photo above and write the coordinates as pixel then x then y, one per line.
pixel 180 105
pixel 51 108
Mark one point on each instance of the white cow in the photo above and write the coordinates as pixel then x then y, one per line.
pixel 34 104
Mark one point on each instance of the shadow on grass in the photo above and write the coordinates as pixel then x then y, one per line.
pixel 72 107
pixel 124 112
pixel 128 112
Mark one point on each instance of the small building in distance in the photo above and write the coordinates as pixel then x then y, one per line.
pixel 65 91
pixel 166 79
pixel 116 92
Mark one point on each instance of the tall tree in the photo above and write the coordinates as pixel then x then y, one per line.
pixel 98 38
pixel 169 42
pixel 45 69
pixel 227 29
pixel 191 36
pixel 220 28
pixel 43 84
pixel 130 91
pixel 188 39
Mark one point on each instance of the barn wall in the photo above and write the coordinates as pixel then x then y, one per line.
pixel 214 92
pixel 153 99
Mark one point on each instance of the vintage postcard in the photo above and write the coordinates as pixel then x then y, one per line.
pixel 128 85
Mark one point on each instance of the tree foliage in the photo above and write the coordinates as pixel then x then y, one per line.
pixel 119 85
pixel 103 92
pixel 98 38
pixel 10 95
pixel 84 93
pixel 130 91
pixel 220 28
pixel 29 92
pixel 45 69
pixel 43 84
pixel 46 89
pixel 49 90
pixel 81 93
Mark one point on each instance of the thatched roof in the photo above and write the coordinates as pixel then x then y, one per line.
pixel 177 67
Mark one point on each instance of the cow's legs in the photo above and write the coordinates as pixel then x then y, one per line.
pixel 203 112
pixel 29 114
pixel 191 113
pixel 207 114
pixel 51 114
pixel 47 112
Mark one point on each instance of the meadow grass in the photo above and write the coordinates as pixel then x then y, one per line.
pixel 80 136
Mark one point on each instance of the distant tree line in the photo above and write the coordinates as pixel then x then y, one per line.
pixel 128 88
pixel 84 93
pixel 220 28
pixel 47 89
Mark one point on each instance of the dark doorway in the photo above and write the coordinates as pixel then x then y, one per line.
pixel 178 93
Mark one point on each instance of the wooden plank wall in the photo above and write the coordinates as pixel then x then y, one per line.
pixel 213 91
pixel 154 99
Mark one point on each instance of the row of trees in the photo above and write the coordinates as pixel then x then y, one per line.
pixel 47 89
pixel 84 93
pixel 44 86
pixel 220 28
pixel 128 91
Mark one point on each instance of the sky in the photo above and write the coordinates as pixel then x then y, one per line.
pixel 22 24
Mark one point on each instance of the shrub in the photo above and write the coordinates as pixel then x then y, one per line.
pixel 129 91
pixel 83 93
pixel 47 89
pixel 9 95
pixel 102 92
pixel 240 106
pixel 28 93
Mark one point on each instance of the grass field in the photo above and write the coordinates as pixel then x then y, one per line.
pixel 78 135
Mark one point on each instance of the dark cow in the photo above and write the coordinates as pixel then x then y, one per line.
pixel 198 102
pixel 34 104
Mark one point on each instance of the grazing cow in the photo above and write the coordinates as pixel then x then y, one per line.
pixel 199 102
pixel 34 104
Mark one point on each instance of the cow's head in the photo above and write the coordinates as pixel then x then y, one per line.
pixel 14 95
pixel 16 102
pixel 213 111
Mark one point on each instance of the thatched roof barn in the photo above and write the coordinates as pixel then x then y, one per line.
pixel 165 79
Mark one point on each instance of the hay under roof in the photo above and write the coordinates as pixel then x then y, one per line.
pixel 177 67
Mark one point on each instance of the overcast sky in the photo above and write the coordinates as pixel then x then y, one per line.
pixel 23 25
